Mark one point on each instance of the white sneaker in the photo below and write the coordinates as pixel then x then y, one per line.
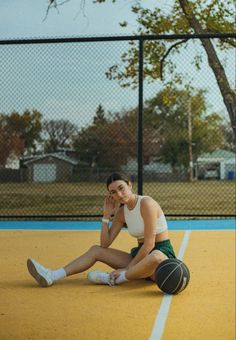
pixel 100 278
pixel 41 274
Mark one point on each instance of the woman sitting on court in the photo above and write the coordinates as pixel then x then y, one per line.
pixel 145 221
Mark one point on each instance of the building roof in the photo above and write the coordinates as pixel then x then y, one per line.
pixel 217 156
pixel 53 155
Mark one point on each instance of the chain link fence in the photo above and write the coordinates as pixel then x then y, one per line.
pixel 72 111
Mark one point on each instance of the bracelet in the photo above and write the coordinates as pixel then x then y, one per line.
pixel 105 220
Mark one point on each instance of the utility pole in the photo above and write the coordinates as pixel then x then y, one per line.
pixel 190 150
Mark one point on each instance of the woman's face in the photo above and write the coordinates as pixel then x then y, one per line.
pixel 120 191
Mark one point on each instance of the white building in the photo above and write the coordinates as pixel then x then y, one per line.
pixel 221 162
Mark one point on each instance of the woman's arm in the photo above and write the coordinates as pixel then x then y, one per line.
pixel 108 234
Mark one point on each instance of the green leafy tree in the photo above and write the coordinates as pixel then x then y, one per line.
pixel 111 141
pixel 168 113
pixel 216 16
pixel 186 17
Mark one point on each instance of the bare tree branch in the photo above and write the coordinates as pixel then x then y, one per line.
pixel 167 53
pixel 82 10
pixel 55 4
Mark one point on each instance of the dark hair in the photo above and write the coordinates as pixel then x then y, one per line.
pixel 117 177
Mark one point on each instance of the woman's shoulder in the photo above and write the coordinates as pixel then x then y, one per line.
pixel 147 202
pixel 147 199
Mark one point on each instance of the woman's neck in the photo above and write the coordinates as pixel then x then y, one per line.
pixel 132 202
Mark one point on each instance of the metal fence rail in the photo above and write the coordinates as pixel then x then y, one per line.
pixel 73 110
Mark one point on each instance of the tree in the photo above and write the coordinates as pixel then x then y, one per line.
pixel 215 23
pixel 110 142
pixel 100 115
pixel 58 134
pixel 91 144
pixel 19 133
pixel 216 16
pixel 228 137
pixel 168 112
pixel 10 144
pixel 27 125
pixel 186 17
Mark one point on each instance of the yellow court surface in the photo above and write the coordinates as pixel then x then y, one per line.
pixel 74 308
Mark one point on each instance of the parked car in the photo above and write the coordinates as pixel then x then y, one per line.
pixel 211 174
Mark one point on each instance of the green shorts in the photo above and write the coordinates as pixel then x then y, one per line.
pixel 164 246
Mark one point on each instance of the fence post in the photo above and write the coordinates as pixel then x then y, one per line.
pixel 190 142
pixel 140 118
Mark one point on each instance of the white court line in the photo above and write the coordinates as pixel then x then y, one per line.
pixel 162 315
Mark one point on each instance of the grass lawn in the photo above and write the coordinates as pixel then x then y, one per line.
pixel 201 197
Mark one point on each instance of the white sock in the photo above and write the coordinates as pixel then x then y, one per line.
pixel 58 274
pixel 121 278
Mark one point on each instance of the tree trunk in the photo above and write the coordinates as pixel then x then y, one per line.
pixel 229 96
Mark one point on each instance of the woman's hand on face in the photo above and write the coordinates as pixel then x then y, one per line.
pixel 110 206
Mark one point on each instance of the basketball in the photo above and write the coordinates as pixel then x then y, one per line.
pixel 172 276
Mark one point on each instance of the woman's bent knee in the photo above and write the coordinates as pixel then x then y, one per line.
pixel 95 249
pixel 156 256
pixel 97 252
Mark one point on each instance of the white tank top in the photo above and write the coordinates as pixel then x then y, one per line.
pixel 135 222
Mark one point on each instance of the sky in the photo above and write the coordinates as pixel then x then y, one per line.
pixel 70 79
pixel 25 18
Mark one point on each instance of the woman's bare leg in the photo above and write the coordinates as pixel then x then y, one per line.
pixel 112 257
pixel 146 267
